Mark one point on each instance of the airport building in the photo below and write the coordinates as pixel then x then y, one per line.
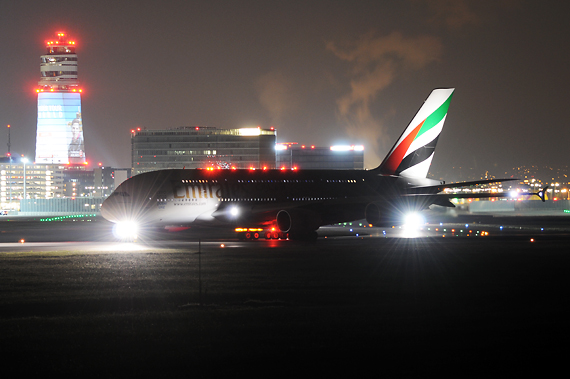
pixel 304 157
pixel 202 147
pixel 59 134
pixel 22 180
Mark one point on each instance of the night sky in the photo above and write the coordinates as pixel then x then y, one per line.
pixel 320 72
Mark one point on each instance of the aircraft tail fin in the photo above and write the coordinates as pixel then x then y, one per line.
pixel 412 154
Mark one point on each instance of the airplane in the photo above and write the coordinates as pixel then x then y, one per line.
pixel 295 203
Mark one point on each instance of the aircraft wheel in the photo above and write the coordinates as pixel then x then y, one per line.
pixel 267 235
pixel 248 235
pixel 255 235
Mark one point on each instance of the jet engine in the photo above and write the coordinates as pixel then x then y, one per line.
pixel 382 214
pixel 298 220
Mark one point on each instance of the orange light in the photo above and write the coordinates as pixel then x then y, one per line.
pixel 312 146
pixel 282 168
pixel 8 125
pixel 100 164
pixel 22 241
pixel 80 90
pixel 264 168
pixel 252 168
pixel 51 89
pixel 85 163
pixel 294 168
pixel 234 168
pixel 532 240
pixel 302 146
pixel 38 91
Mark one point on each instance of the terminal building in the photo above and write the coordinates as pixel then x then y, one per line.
pixel 303 157
pixel 202 147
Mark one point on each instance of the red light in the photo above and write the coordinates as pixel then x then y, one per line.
pixel 8 154
pixel 197 128
pixel 272 128
pixel 252 168
pixel 302 146
pixel 282 168
pixel 234 168
pixel 264 168
pixel 312 146
pixel 80 90
pixel 294 168
pixel 138 129
pixel 132 130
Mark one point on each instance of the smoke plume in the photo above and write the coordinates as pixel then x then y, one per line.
pixel 376 61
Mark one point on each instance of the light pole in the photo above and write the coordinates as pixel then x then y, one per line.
pixel 24 161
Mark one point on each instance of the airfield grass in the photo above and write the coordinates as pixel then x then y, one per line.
pixel 358 307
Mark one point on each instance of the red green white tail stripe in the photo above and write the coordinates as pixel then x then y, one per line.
pixel 411 156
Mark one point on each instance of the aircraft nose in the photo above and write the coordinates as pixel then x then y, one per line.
pixel 106 211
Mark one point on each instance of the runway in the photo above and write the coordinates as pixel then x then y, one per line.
pixel 400 306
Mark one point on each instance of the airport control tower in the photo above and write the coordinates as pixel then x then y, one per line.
pixel 59 135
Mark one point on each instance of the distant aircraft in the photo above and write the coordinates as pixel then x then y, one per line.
pixel 295 203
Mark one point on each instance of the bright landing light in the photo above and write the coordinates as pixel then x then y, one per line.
pixel 125 230
pixel 413 222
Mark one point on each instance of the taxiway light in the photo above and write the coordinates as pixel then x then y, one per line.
pixel 22 241
pixel 222 245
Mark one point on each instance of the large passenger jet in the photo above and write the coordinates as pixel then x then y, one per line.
pixel 294 203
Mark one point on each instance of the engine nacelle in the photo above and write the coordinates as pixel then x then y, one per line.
pixel 381 214
pixel 298 220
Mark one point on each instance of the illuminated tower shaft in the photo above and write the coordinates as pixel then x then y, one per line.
pixel 59 138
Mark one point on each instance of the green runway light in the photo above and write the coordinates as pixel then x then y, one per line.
pixel 60 218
